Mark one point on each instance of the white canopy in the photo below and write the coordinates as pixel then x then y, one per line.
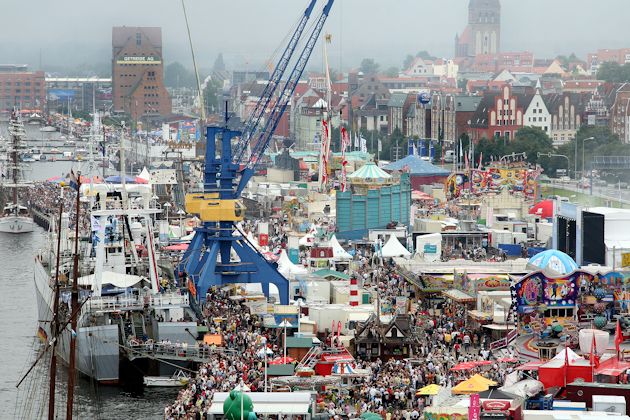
pixel 110 277
pixel 287 268
pixel 393 248
pixel 307 240
pixel 145 175
pixel 338 252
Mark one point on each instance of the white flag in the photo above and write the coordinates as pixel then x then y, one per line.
pixel 363 145
pixel 380 145
pixel 356 141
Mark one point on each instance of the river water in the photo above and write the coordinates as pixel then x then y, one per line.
pixel 18 326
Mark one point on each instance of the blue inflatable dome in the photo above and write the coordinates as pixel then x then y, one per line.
pixel 554 260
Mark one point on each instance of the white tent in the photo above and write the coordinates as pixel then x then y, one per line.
pixel 338 252
pixel 252 240
pixel 287 268
pixel 571 356
pixel 393 248
pixel 145 175
pixel 307 240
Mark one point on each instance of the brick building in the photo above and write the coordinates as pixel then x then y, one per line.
pixel 22 88
pixel 500 115
pixel 138 73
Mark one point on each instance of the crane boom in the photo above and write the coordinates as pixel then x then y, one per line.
pixel 262 140
pixel 255 117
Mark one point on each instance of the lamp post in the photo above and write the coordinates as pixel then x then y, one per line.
pixel 182 232
pixel 557 155
pixel 285 324
pixel 584 141
pixel 168 206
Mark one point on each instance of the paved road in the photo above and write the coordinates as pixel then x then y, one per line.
pixel 606 192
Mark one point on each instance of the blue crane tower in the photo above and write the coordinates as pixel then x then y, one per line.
pixel 218 253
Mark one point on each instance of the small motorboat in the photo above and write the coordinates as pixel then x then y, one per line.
pixel 179 378
pixel 48 129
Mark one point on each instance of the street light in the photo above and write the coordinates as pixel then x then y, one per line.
pixel 285 324
pixel 168 206
pixel 584 141
pixel 556 155
pixel 181 213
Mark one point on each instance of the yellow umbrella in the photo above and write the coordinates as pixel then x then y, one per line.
pixel 432 389
pixel 473 385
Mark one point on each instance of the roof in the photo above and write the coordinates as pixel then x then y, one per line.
pixel 369 171
pixel 300 342
pixel 416 166
pixel 466 103
pixel 331 273
pixel 480 117
pixel 281 370
pixel 554 100
pixel 121 34
pixel 458 295
pixel 495 394
pixel 397 100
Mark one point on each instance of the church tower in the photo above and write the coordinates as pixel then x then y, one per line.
pixel 483 33
pixel 484 19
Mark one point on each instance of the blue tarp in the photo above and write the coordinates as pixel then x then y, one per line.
pixel 417 166
pixel 511 250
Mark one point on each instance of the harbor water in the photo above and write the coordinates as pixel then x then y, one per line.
pixel 19 345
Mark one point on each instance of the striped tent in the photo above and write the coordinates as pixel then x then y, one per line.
pixel 370 174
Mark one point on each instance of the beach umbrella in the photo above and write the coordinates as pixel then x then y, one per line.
pixel 463 366
pixel 432 389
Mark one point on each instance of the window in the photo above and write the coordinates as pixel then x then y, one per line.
pixel 507 135
pixel 497 134
pixel 138 38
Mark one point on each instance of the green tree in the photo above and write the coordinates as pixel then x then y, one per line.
pixel 176 75
pixel 392 71
pixel 531 141
pixel 603 143
pixel 614 73
pixel 425 55
pixel 369 66
pixel 211 96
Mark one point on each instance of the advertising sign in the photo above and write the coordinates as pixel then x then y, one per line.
pixel 474 409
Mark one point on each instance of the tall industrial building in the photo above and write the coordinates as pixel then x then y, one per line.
pixel 482 36
pixel 138 73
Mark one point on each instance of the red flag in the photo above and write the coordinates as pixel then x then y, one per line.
pixel 618 337
pixel 593 355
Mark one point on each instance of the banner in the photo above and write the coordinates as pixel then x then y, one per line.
pixel 474 409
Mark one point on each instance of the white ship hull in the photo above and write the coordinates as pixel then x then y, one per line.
pixel 97 346
pixel 16 224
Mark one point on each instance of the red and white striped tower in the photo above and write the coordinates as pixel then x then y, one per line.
pixel 354 291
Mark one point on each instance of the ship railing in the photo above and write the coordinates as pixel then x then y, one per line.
pixel 114 303
pixel 174 351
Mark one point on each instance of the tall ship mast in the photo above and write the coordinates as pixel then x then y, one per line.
pixel 16 217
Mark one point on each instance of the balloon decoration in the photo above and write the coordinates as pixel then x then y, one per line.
pixel 232 406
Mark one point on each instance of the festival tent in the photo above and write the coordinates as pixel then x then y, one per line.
pixel 145 175
pixel 393 248
pixel 421 172
pixel 553 261
pixel 565 368
pixel 525 389
pixel 473 385
pixel 287 268
pixel 369 173
pixel 343 368
pixel 543 209
pixel 307 240
pixel 432 389
pixel 338 252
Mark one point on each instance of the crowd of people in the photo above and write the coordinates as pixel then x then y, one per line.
pixel 389 387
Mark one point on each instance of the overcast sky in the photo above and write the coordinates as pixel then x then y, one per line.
pixel 75 32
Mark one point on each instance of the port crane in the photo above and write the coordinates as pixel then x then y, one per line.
pixel 219 254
